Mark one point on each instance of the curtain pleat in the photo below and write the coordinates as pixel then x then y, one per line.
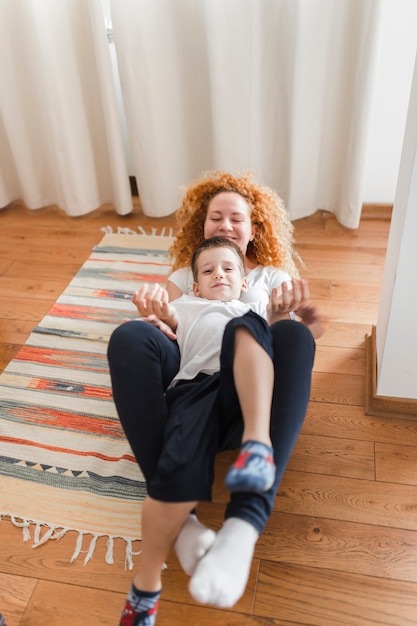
pixel 282 88
pixel 60 140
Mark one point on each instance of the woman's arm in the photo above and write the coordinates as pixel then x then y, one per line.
pixel 173 291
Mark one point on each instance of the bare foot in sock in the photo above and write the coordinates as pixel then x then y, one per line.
pixel 192 543
pixel 221 576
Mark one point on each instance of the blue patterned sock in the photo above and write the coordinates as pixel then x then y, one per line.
pixel 253 470
pixel 140 608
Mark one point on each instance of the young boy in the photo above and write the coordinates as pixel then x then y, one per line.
pixel 218 268
pixel 220 398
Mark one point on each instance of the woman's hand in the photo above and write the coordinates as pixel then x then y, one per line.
pixel 294 297
pixel 164 328
pixel 310 316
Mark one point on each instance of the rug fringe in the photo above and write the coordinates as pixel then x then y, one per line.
pixel 56 532
pixel 122 230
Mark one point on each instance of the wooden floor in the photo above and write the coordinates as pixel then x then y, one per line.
pixel 341 545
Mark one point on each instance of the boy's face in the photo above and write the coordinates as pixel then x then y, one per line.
pixel 219 275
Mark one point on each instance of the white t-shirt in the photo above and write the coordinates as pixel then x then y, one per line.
pixel 261 281
pixel 200 329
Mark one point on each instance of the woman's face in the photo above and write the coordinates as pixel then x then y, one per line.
pixel 228 215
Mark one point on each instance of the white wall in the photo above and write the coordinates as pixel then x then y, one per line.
pixel 396 324
pixel 398 47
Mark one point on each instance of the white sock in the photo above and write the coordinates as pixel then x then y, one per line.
pixel 192 543
pixel 221 575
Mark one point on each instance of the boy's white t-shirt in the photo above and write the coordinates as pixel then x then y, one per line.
pixel 200 349
pixel 261 281
pixel 200 329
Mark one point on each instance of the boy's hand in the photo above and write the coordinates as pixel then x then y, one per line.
pixel 153 301
pixel 153 304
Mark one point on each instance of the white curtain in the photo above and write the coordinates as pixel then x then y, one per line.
pixel 279 87
pixel 60 138
pixel 282 88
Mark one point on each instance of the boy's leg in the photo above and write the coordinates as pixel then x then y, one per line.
pixel 161 523
pixel 221 575
pixel 247 513
pixel 253 373
pixel 186 466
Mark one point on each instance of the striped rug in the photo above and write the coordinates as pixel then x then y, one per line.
pixel 64 461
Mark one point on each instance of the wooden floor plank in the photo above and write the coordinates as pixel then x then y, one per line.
pixel 327 598
pixel 340 360
pixel 334 497
pixel 397 463
pixel 31 286
pixel 337 388
pixel 58 604
pixel 335 420
pixel 344 334
pixel 23 309
pixel 345 273
pixel 334 456
pixel 342 256
pixel 348 311
pixel 344 290
pixel 15 595
pixel 341 546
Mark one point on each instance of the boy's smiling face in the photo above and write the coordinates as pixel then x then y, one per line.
pixel 220 275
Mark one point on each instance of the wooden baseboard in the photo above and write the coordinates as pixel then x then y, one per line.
pixel 383 406
pixel 376 211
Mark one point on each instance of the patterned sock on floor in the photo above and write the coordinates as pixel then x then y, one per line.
pixel 2 622
pixel 253 470
pixel 140 608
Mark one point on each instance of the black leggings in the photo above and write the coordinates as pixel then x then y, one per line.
pixel 143 361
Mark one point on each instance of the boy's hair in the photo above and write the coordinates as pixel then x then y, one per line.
pixel 217 242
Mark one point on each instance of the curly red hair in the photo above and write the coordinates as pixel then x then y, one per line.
pixel 273 244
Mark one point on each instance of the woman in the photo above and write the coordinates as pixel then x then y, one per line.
pixel 143 360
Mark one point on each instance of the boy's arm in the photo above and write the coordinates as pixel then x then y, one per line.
pixel 155 302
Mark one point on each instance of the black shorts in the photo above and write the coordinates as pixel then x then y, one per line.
pixel 204 418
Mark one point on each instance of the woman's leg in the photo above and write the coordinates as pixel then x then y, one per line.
pixel 230 557
pixel 142 363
